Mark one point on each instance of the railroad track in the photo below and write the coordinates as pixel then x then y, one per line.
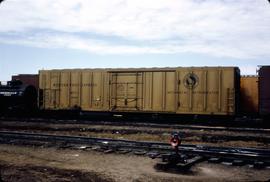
pixel 250 156
pixel 184 134
pixel 196 133
pixel 140 124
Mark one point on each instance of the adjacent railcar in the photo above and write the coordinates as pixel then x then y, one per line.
pixel 180 90
pixel 264 91
pixel 17 96
pixel 27 79
pixel 249 95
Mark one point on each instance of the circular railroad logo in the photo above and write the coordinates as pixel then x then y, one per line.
pixel 191 80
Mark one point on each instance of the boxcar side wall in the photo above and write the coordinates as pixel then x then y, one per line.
pixel 206 91
pixel 157 91
pixel 72 89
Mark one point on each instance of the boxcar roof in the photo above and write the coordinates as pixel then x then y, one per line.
pixel 142 69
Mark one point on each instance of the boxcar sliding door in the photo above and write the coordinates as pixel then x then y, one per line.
pixel 126 91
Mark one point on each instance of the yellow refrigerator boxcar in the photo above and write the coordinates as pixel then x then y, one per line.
pixel 180 90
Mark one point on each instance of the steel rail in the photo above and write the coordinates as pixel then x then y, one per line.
pixel 184 134
pixel 139 124
pixel 250 154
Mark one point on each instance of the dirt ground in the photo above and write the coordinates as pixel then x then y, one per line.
pixel 27 164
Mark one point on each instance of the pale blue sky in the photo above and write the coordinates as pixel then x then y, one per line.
pixel 47 34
